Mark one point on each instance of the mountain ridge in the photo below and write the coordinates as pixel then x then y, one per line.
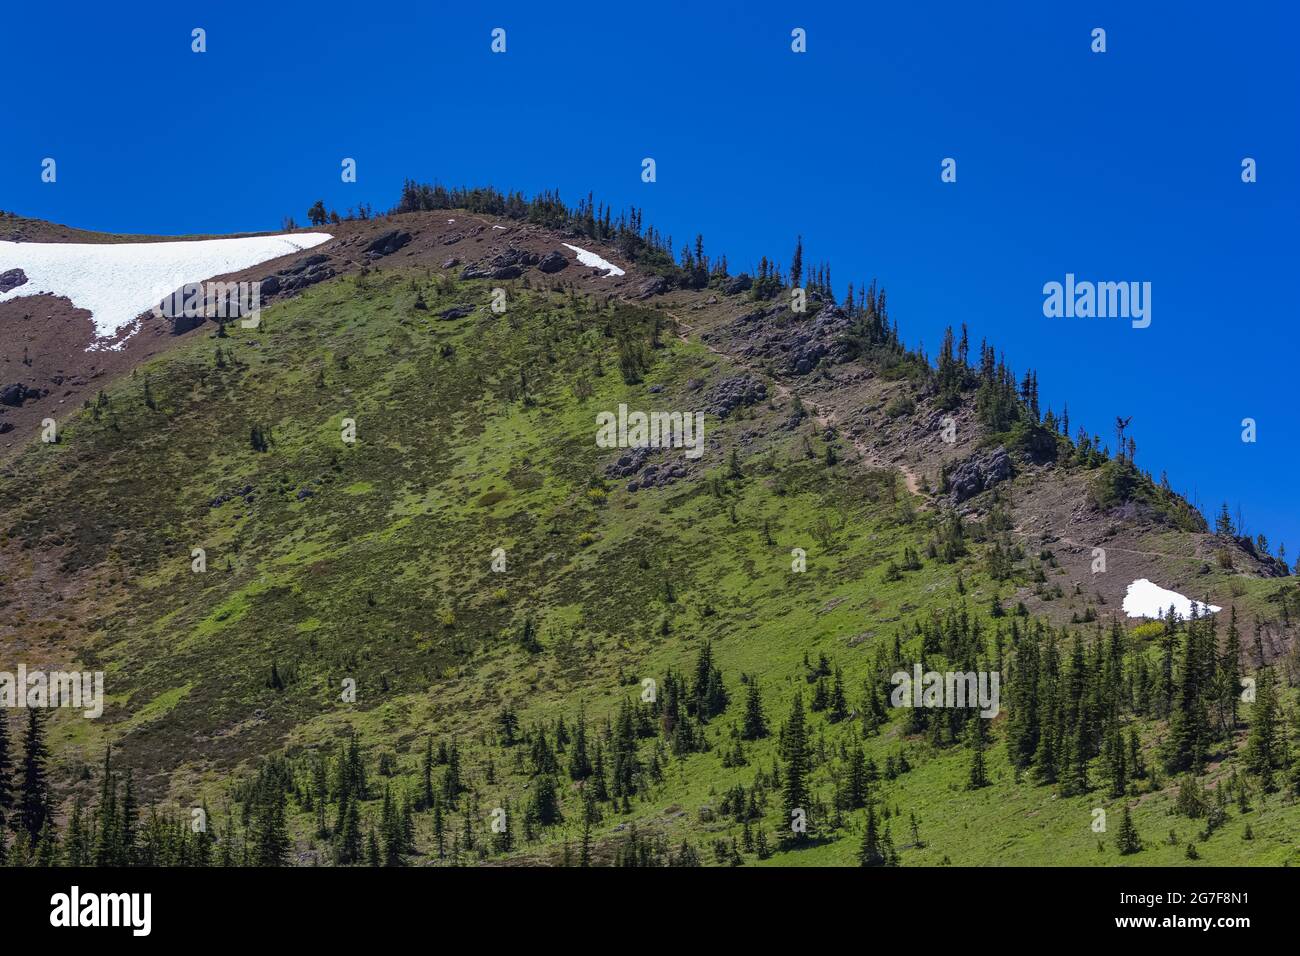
pixel 475 426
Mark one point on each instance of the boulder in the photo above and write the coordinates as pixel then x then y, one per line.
pixel 307 263
pixel 294 282
pixel 552 262
pixel 14 395
pixel 12 279
pixel 978 473
pixel 737 284
pixel 387 244
pixel 657 285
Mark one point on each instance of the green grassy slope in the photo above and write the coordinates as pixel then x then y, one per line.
pixel 371 561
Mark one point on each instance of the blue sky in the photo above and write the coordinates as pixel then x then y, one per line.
pixel 1116 166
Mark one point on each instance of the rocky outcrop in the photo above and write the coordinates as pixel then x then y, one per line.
pixel 657 285
pixel 12 279
pixel 654 475
pixel 978 473
pixel 14 395
pixel 738 392
pixel 387 244
pixel 512 257
pixel 552 262
pixel 794 344
pixel 738 284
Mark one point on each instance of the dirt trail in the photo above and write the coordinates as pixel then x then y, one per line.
pixel 1087 547
pixel 822 416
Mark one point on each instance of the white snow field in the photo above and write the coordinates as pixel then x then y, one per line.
pixel 116 281
pixel 595 261
pixel 1146 599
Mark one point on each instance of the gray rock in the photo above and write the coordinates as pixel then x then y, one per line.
pixel 737 284
pixel 305 264
pixel 12 279
pixel 387 244
pixel 740 391
pixel 552 262
pixel 15 395
pixel 654 286
pixel 978 473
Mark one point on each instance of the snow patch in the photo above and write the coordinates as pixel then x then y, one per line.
pixel 117 281
pixel 595 261
pixel 1146 599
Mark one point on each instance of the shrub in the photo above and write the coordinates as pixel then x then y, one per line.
pixel 899 406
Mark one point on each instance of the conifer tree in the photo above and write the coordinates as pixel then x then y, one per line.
pixel 426 774
pixel 6 772
pixel 272 833
pixel 439 829
pixel 857 788
pixel 320 794
pixel 1077 781
pixel 1185 745
pixel 1127 840
pixel 204 840
pixel 348 833
pixel 1115 760
pixel 599 789
pixel 76 847
pixel 130 820
pixel 870 854
pixel 794 745
pixel 975 735
pixel 579 762
pixel 626 767
pixel 106 849
pixel 391 831
pixel 34 803
pixel 47 846
pixel 545 806
pixel 755 725
pixel 1264 749
pixel 452 786
pixel 584 855
pixel 1230 666
pixel 839 706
